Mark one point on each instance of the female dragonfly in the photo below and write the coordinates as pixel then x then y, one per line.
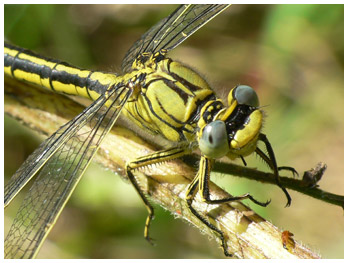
pixel 158 94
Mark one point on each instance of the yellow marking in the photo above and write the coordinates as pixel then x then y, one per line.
pixel 46 83
pixel 29 77
pixel 23 75
pixel 249 132
pixel 230 98
pixel 202 172
pixel 7 71
pixel 11 52
pixel 188 195
pixel 229 110
pixel 37 60
pixel 104 78
pixel 61 87
pixel 70 88
pixel 72 70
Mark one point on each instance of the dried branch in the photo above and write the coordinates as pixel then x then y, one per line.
pixel 306 185
pixel 248 235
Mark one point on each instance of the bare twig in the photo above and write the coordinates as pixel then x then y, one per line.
pixel 306 185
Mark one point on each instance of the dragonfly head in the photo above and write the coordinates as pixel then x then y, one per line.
pixel 234 130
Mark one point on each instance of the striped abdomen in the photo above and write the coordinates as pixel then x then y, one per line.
pixel 58 76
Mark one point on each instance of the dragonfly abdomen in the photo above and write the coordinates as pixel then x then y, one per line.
pixel 53 74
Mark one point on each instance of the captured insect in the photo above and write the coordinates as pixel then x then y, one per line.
pixel 161 96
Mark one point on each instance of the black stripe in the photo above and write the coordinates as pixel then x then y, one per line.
pixel 182 137
pixel 8 62
pixel 195 115
pixel 139 123
pixel 237 119
pixel 67 78
pixel 47 72
pixel 89 75
pixel 182 94
pixel 96 86
pixel 206 174
pixel 217 106
pixel 170 115
pixel 186 83
pixel 143 122
pixel 146 159
pixel 30 67
pixel 30 53
pixel 51 85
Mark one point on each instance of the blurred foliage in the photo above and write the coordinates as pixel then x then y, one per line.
pixel 292 55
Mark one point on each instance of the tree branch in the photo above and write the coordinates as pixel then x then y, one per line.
pixel 307 185
pixel 248 235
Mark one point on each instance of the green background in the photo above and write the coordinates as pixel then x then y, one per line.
pixel 291 54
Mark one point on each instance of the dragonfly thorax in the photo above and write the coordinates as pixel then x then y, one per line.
pixel 168 99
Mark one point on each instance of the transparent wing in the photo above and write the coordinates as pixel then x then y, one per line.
pixel 62 159
pixel 44 152
pixel 172 30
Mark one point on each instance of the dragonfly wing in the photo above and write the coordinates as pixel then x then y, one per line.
pixel 60 173
pixel 43 153
pixel 172 30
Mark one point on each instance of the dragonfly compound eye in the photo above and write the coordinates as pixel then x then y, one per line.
pixel 244 94
pixel 214 142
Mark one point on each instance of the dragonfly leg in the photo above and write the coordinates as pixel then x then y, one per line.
pixel 272 163
pixel 201 184
pixel 160 156
pixel 290 169
pixel 190 194
pixel 143 197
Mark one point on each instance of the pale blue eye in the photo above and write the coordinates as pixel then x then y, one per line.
pixel 246 95
pixel 214 142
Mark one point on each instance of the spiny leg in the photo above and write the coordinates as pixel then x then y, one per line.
pixel 202 181
pixel 205 167
pixel 160 156
pixel 268 161
pixel 271 162
pixel 190 194
pixel 289 168
pixel 143 197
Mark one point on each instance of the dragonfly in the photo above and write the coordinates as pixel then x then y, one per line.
pixel 161 96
